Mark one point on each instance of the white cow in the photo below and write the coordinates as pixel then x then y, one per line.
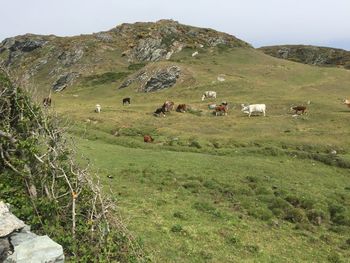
pixel 347 102
pixel 209 94
pixel 98 108
pixel 249 109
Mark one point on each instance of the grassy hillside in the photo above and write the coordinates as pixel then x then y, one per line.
pixel 233 188
pixel 313 55
pixel 227 188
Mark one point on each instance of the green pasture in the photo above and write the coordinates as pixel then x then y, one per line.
pixel 227 188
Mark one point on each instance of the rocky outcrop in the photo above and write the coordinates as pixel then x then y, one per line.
pixel 153 80
pixel 162 79
pixel 19 245
pixel 312 55
pixel 68 58
pixel 64 81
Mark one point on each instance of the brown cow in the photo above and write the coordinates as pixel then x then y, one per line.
pixel 221 109
pixel 47 102
pixel 182 108
pixel 302 109
pixel 148 138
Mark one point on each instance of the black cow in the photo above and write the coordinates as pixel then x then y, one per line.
pixel 126 100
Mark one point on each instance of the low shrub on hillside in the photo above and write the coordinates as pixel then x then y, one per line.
pixel 104 78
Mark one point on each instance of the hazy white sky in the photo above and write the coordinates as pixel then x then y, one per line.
pixel 259 22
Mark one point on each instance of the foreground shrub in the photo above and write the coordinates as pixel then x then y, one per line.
pixel 48 190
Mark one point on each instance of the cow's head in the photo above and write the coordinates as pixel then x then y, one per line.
pixel 203 97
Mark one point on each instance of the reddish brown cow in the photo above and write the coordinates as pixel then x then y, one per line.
pixel 297 109
pixel 148 138
pixel 221 109
pixel 182 108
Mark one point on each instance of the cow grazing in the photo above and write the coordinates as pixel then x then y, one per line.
pixel 98 108
pixel 168 106
pixel 148 138
pixel 221 110
pixel 249 109
pixel 126 101
pixel 347 102
pixel 160 112
pixel 209 94
pixel 297 109
pixel 182 108
pixel 47 102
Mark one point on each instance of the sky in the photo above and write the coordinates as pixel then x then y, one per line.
pixel 258 22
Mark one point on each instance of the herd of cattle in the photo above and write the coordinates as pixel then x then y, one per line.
pixel 221 109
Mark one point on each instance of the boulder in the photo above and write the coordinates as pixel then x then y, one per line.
pixel 36 250
pixel 5 247
pixel 8 222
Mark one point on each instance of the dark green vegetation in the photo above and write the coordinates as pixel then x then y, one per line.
pixel 217 189
pixel 46 189
pixel 320 56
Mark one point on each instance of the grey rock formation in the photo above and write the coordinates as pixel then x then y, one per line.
pixel 8 222
pixel 27 45
pixel 162 79
pixel 19 245
pixel 149 49
pixel 64 80
pixel 103 36
pixel 68 58
pixel 39 249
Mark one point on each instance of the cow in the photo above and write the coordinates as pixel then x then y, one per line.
pixel 209 94
pixel 221 109
pixel 160 112
pixel 182 108
pixel 47 102
pixel 249 109
pixel 126 100
pixel 168 105
pixel 297 109
pixel 347 102
pixel 98 108
pixel 148 138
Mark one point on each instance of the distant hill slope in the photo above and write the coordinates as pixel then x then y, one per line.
pixel 56 62
pixel 312 55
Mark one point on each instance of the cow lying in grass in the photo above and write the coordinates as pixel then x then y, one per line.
pixel 249 109
pixel 148 138
pixel 160 112
pixel 297 109
pixel 168 106
pixel 183 108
